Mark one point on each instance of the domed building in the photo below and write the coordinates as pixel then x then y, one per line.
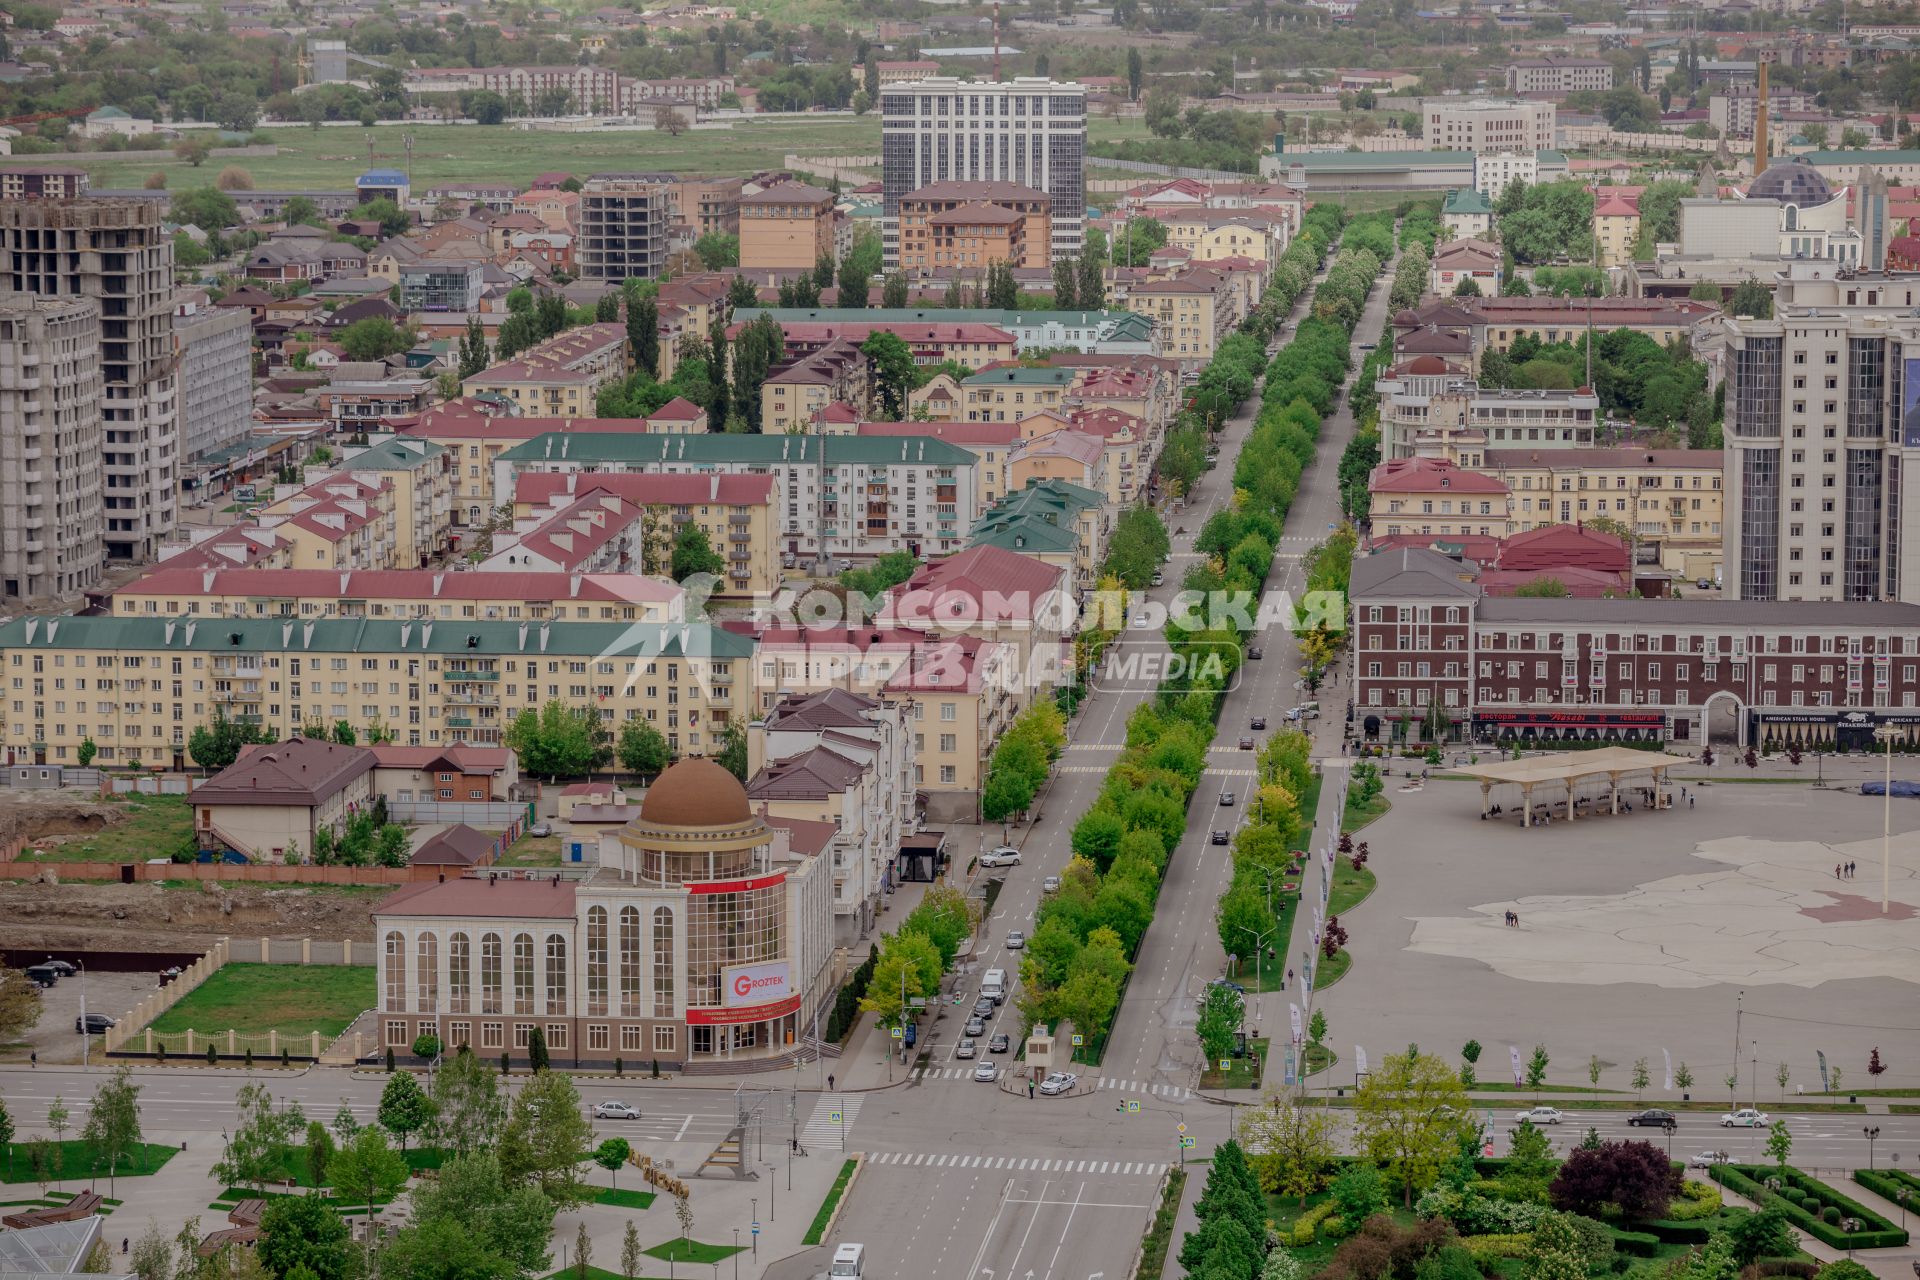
pixel 1812 219
pixel 699 938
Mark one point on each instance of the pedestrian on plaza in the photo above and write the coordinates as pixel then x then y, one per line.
pixel 1836 871
pixel 1850 867
pixel 33 1059
pixel 1029 1088
pixel 124 1242
pixel 829 1084
pixel 1689 802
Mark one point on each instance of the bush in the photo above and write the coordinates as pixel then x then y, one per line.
pixel 1887 1185
pixel 1640 1244
pixel 1673 1232
pixel 1309 1222
pixel 1781 1267
pixel 1831 1215
pixel 1696 1200
pixel 1485 1249
pixel 1748 1180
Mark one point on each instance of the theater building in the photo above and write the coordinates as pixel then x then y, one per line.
pixel 1547 671
pixel 701 940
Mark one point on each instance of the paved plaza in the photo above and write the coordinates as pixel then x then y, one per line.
pixel 1638 932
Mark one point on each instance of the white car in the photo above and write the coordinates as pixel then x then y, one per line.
pixel 1059 1082
pixel 1708 1159
pixel 1140 622
pixel 1744 1118
pixel 1539 1115
pixel 1050 885
pixel 615 1111
pixel 965 1050
pixel 1005 856
pixel 986 1073
pixel 1015 940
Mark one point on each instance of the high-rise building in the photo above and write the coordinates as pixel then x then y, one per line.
pixel 50 402
pixel 623 226
pixel 216 379
pixel 1031 131
pixel 114 252
pixel 1482 125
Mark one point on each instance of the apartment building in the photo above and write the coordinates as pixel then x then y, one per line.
pixel 1029 130
pixel 1494 171
pixel 1433 497
pixel 1616 225
pixel 1451 124
pixel 926 329
pixel 338 522
pixel 623 227
pixel 1014 392
pixel 989 442
pixel 1192 312
pixel 796 394
pixel 1669 499
pixel 736 512
pixel 419 474
pixel 1429 408
pixel 216 379
pixel 140 686
pixel 849 497
pixel 787 227
pixel 418 594
pixel 477 437
pixel 1734 108
pixel 51 394
pixel 43 182
pixel 965 341
pixel 1556 76
pixel 434 284
pixel 965 227
pixel 115 252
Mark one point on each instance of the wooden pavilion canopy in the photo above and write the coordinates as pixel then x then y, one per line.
pixel 1567 769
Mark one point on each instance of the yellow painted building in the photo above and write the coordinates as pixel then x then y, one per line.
pixel 1670 498
pixel 787 227
pixel 138 687
pixel 427 594
pixel 1191 313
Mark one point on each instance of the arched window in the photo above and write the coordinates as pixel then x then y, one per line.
pixel 596 960
pixel 459 973
pixel 523 973
pixel 556 973
pixel 429 948
pixel 630 975
pixel 663 986
pixel 490 958
pixel 396 973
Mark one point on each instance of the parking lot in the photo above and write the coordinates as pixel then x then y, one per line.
pixel 53 1037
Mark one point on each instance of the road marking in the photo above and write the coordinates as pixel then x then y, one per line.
pixel 1028 1164
pixel 1065 1227
pixel 822 1129
pixel 684 1126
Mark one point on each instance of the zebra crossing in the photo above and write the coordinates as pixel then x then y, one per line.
pixel 925 1074
pixel 1030 1164
pixel 1171 1092
pixel 832 1117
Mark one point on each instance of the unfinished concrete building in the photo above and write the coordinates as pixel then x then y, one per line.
pixel 623 226
pixel 114 252
pixel 51 396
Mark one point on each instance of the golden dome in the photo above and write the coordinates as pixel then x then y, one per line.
pixel 695 793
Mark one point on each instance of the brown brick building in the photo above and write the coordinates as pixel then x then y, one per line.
pixel 967 226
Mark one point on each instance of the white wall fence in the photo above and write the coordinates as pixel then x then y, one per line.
pixel 132 1032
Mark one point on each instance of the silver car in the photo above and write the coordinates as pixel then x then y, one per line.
pixel 966 1049
pixel 1015 940
pixel 986 1073
pixel 615 1111
pixel 1005 856
pixel 1059 1082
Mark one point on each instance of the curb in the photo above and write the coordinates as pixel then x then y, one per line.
pixel 846 1194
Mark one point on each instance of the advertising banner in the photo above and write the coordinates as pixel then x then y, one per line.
pixel 750 984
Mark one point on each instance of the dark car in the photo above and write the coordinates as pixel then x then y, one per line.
pixel 65 968
pixel 1219 837
pixel 1654 1118
pixel 983 1007
pixel 1246 743
pixel 1253 651
pixel 1258 722
pixel 999 1044
pixel 93 1024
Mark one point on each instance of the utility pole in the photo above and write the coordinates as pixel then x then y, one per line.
pixel 1739 1002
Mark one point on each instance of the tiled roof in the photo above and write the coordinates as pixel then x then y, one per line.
pixel 541 488
pixel 812 775
pixel 456 846
pixel 299 771
pixel 996 586
pixel 483 899
pixel 1429 475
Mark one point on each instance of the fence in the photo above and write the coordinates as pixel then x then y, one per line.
pixel 485 814
pixel 47 777
pixel 165 998
pixel 1170 170
pixel 146 784
pixel 223 872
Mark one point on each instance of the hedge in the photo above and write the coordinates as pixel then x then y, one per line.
pixel 1673 1232
pixel 1307 1223
pixel 1696 1200
pixel 1750 1181
pixel 1639 1244
pixel 1887 1185
pixel 1488 1248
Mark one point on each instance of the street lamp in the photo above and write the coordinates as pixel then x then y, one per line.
pixel 1259 950
pixel 1871 1132
pixel 1886 733
pixel 1849 1225
pixel 1903 1195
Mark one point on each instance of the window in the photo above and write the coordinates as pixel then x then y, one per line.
pixel 396 972
pixel 556 1035
pixel 630 962
pixel 491 1035
pixel 523 973
pixel 597 961
pixel 663 1039
pixel 460 1034
pixel 429 954
pixel 459 973
pixel 522 1034
pixel 632 1039
pixel 556 973
pixel 490 973
pixel 663 984
pixel 397 1031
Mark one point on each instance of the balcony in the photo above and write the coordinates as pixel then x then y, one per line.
pixel 463 677
pixel 460 722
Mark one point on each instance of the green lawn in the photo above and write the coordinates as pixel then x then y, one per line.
pixel 1159 1237
pixel 292 999
pixel 1351 885
pixel 679 1250
pixel 818 1231
pixel 595 1273
pixel 1359 814
pixel 1239 1074
pixel 621 1198
pixel 1329 971
pixel 155 826
pixel 533 851
pixel 76 1160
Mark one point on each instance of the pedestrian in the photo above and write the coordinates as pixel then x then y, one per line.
pixel 829 1084
pixel 33 1059
pixel 1836 871
pixel 124 1241
pixel 1029 1088
pixel 1689 802
pixel 1850 867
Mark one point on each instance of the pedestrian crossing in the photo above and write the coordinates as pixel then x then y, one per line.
pixel 1028 1164
pixel 832 1117
pixel 1171 1092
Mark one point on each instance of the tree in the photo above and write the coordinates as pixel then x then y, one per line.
pixel 630 1253
pixel 1467 288
pixel 194 151
pixel 1408 1116
pixel 1763 1233
pixel 546 1139
pixel 1537 1066
pixel 207 208
pixel 1136 241
pixel 392 218
pixel 1530 1151
pixel 1780 1143
pixel 305 1232
pixel 261 1134
pixel 610 1155
pixel 367 1171
pixel 20 1003
pixel 57 1118
pixel 1220 1013
pixel 1066 284
pixel 1555 1253
pixel 1634 1179
pixel 557 741
pixel 891 361
pixel 113 1120
pixel 1751 298
pixel 537 1058
pixel 152 1256
pixel 642 748
pixel 87 751
pixel 405 1108
pixel 473 348
pixel 693 553
pixel 1292 1146
pixel 6 1133
pixel 1593 1070
pixel 470 1199
pixel 733 748
pixel 854 279
pixel 718 250
pixel 1317 1028
pixel 683 1213
pixel 319 1152
pixel 468 1108
pixel 643 334
pixel 217 745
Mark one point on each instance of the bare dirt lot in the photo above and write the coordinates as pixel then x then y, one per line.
pixel 120 917
pixel 38 815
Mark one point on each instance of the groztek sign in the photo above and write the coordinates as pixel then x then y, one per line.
pixel 751 984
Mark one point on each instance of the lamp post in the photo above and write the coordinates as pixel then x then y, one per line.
pixel 736 1253
pixel 1259 950
pixel 1871 1132
pixel 1886 734
pixel 1849 1225
pixel 1903 1195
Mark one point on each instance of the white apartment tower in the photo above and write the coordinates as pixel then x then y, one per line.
pixel 1031 131
pixel 114 252
pixel 51 395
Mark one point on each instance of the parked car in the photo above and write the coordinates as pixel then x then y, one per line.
pixel 965 1049
pixel 1539 1115
pixel 93 1024
pixel 1228 983
pixel 1257 723
pixel 1226 799
pixel 1708 1159
pixel 986 1073
pixel 1159 579
pixel 66 968
pixel 1015 939
pixel 1140 622
pixel 1219 837
pixel 1655 1118
pixel 1059 1082
pixel 1005 856
pixel 1745 1118
pixel 976 1025
pixel 1000 1043
pixel 615 1111
pixel 540 829
pixel 1050 885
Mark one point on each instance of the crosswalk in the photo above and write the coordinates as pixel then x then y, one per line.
pixel 832 1117
pixel 1030 1164
pixel 1171 1092
pixel 944 1073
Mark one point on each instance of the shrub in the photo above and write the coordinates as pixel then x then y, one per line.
pixel 1309 1222
pixel 1781 1267
pixel 1673 1232
pixel 1748 1180
pixel 1696 1200
pixel 1485 1249
pixel 1640 1244
pixel 1831 1215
